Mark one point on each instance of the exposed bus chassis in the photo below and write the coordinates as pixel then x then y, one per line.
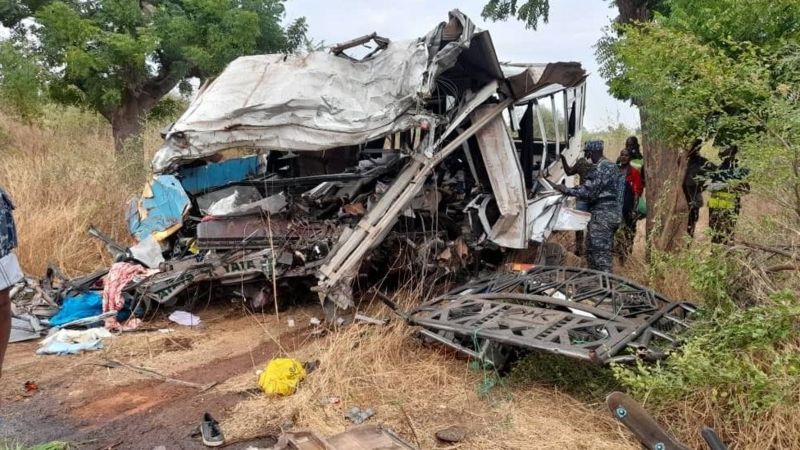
pixel 580 313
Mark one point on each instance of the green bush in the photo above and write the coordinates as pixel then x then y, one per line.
pixel 747 359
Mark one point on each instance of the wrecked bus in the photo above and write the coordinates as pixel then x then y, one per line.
pixel 427 154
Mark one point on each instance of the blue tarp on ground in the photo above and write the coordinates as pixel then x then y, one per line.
pixel 210 176
pixel 160 210
pixel 83 305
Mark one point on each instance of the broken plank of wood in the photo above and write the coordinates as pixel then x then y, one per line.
pixel 113 364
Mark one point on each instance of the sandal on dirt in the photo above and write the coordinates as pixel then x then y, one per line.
pixel 211 432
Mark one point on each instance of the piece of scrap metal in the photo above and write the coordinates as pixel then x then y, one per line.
pixel 367 437
pixel 647 430
pixel 580 313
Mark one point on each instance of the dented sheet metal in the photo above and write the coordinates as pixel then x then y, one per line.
pixel 505 176
pixel 160 211
pixel 200 179
pixel 301 103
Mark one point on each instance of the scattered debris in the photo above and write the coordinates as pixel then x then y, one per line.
pixel 31 386
pixel 358 415
pixel 647 430
pixel 330 400
pixel 72 342
pixel 580 313
pixel 78 307
pixel 25 327
pixel 310 366
pixel 184 318
pixel 452 434
pixel 371 320
pixel 281 376
pixel 211 432
pixel 367 437
pixel 112 364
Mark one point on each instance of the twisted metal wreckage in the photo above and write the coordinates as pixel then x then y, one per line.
pixel 327 165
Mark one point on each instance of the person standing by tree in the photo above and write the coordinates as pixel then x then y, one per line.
pixel 727 186
pixel 633 191
pixel 603 189
pixel 697 168
pixel 10 272
pixel 635 154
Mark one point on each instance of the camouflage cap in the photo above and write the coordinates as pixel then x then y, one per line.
pixel 593 147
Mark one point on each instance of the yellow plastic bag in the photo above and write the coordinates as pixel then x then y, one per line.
pixel 281 376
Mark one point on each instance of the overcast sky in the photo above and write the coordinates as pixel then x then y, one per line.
pixel 573 29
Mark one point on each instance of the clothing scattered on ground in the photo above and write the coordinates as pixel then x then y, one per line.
pixel 184 318
pixel 71 342
pixel 81 306
pixel 281 376
pixel 118 277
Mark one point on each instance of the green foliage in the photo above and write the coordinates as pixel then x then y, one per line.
pixel 613 136
pixel 746 359
pixel 122 56
pixel 529 11
pixel 167 109
pixel 773 155
pixel 21 83
pixel 689 89
pixel 724 23
pixel 54 445
pixel 742 353
pixel 583 380
pixel 707 69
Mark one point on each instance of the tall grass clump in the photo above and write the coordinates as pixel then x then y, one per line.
pixel 63 175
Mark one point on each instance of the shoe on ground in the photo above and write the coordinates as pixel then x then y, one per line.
pixel 211 432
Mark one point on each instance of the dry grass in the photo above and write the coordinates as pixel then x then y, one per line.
pixel 64 176
pixel 416 390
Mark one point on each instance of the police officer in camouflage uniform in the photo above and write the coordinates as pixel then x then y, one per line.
pixel 603 189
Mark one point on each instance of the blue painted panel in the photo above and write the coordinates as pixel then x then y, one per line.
pixel 164 209
pixel 204 178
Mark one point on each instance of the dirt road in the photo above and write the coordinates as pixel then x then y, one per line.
pixel 80 401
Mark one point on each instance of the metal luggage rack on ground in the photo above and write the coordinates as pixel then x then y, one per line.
pixel 576 312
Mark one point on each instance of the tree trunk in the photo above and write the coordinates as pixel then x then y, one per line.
pixel 126 124
pixel 667 211
pixel 126 127
pixel 633 11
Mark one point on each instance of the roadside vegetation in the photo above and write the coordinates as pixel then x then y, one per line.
pixel 726 71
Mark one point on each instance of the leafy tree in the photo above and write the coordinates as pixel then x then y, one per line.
pixel 21 82
pixel 531 12
pixel 712 69
pixel 120 57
